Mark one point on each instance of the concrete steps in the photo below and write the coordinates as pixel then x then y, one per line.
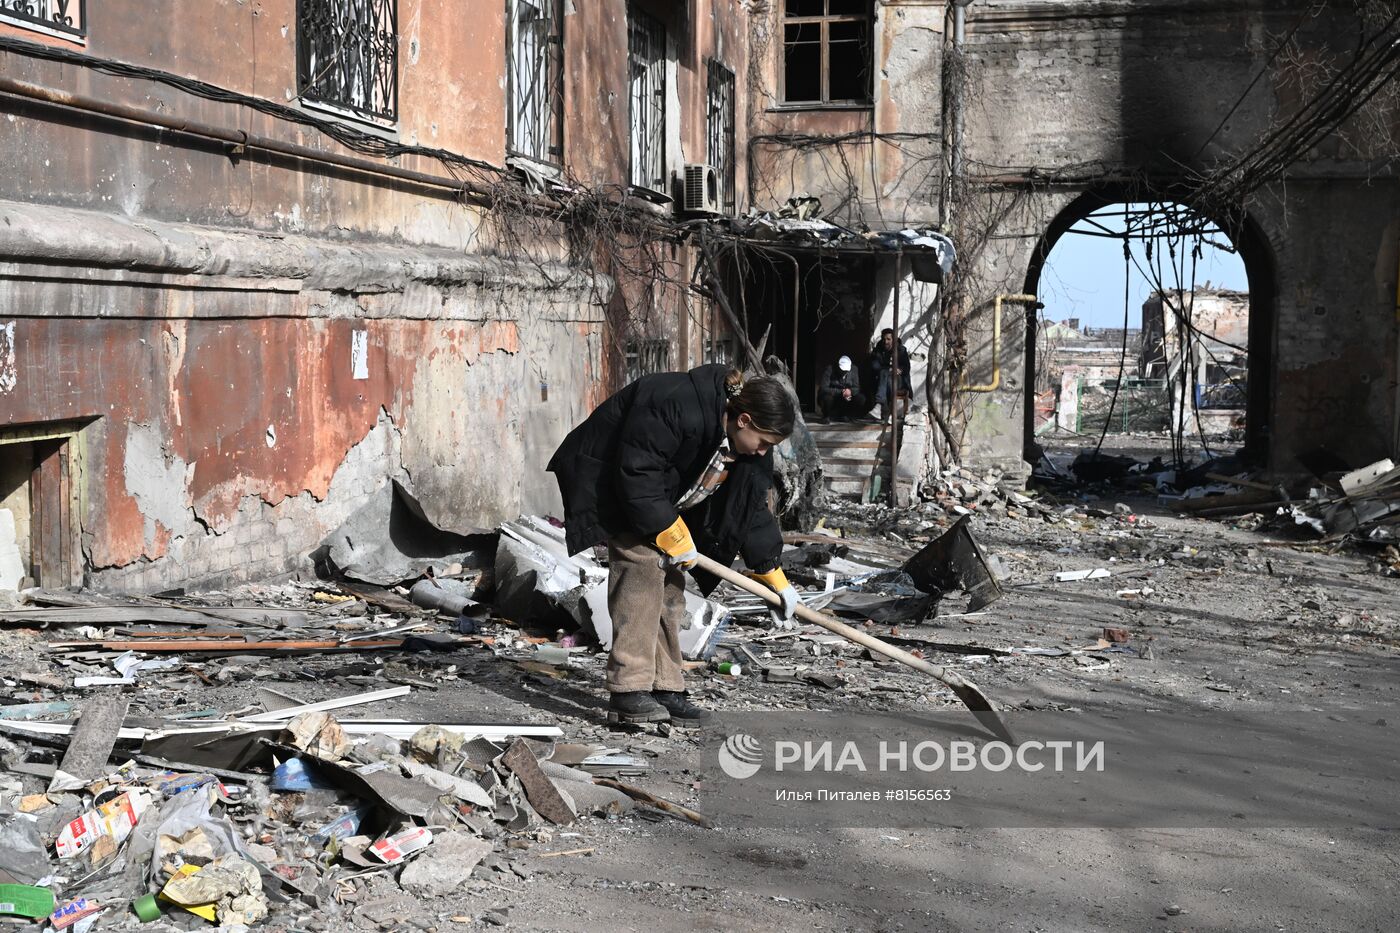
pixel 852 453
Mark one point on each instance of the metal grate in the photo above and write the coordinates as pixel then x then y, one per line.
pixel 646 63
pixel 535 70
pixel 65 16
pixel 647 356
pixel 719 130
pixel 348 55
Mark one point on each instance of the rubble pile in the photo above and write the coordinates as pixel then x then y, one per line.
pixel 308 755
pixel 120 806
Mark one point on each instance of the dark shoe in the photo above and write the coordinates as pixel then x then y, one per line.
pixel 683 712
pixel 635 706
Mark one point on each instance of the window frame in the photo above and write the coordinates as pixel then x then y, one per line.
pixel 824 21
pixel 643 26
pixel 307 94
pixel 51 26
pixel 552 54
pixel 721 140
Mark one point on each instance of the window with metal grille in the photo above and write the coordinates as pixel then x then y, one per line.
pixel 348 55
pixel 535 77
pixel 827 51
pixel 645 357
pixel 66 17
pixel 646 64
pixel 719 130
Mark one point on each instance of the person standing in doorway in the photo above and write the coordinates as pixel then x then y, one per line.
pixel 672 466
pixel 883 358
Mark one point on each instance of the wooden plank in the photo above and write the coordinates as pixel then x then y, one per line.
pixel 99 722
pixel 359 699
pixel 105 616
pixel 377 595
pixel 1237 481
pixel 1244 500
pixel 232 647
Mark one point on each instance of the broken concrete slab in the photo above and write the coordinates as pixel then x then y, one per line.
pixel 86 758
pixel 445 866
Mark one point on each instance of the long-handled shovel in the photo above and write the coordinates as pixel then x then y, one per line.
pixel 971 695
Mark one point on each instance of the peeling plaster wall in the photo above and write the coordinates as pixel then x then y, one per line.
pixel 225 449
pixel 258 344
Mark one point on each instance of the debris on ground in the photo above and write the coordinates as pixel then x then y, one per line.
pixel 291 754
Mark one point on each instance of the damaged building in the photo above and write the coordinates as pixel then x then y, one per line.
pixel 276 259
pixel 269 259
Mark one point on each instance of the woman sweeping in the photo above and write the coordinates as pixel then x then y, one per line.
pixel 674 465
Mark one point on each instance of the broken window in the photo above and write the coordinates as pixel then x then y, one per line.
pixel 827 51
pixel 647 356
pixel 535 72
pixel 348 56
pixel 719 129
pixel 68 18
pixel 646 64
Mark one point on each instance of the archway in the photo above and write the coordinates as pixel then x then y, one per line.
pixel 1203 381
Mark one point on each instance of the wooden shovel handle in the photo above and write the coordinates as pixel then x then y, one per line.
pixel 864 639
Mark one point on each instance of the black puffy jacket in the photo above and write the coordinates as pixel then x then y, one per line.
pixel 625 466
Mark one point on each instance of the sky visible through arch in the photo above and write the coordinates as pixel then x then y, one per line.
pixel 1083 275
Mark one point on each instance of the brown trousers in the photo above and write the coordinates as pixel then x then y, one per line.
pixel 646 600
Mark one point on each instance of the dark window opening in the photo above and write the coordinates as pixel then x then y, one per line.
pixel 646 65
pixel 719 126
pixel 535 75
pixel 65 16
pixel 827 51
pixel 348 55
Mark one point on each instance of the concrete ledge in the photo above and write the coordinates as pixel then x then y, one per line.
pixel 82 244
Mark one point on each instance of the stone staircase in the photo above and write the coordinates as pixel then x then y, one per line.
pixel 855 456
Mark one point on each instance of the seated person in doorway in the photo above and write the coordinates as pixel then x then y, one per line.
pixel 882 360
pixel 838 394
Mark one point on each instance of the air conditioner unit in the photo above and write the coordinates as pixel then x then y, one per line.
pixel 701 189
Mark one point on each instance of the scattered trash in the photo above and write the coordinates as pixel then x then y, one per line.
pixel 24 900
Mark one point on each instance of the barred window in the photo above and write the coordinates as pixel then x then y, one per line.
pixel 646 63
pixel 68 18
pixel 535 75
pixel 348 55
pixel 646 356
pixel 719 130
pixel 827 51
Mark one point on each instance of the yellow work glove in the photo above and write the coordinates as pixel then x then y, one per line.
pixel 678 546
pixel 784 616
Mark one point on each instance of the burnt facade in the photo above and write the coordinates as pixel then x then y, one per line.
pixel 1008 121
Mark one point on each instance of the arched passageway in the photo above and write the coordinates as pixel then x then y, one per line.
pixel 1192 361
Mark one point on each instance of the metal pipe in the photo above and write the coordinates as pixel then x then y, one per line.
pixel 238 139
pixel 1395 444
pixel 996 344
pixel 894 382
pixel 959 36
